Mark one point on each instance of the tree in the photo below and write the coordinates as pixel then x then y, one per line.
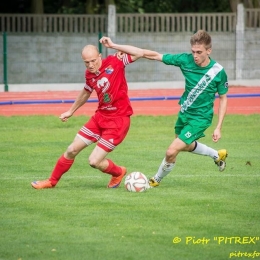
pixel 251 3
pixel 37 6
pixel 122 6
pixel 90 6
pixel 247 4
pixel 170 6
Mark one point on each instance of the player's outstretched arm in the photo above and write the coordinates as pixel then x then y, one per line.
pixel 135 52
pixel 152 55
pixel 221 114
pixel 81 99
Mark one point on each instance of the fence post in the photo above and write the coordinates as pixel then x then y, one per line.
pixel 240 34
pixel 5 60
pixel 111 25
pixel 99 44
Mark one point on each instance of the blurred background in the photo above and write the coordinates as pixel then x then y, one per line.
pixel 42 39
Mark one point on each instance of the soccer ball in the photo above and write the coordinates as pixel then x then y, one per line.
pixel 136 182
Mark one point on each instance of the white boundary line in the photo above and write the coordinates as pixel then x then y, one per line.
pixel 131 85
pixel 99 177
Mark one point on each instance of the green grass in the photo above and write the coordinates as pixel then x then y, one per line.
pixel 82 219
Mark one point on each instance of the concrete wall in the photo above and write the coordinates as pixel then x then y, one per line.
pixel 40 58
pixel 56 58
pixel 145 70
pixel 49 58
pixel 251 58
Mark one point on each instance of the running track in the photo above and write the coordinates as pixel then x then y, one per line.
pixel 242 100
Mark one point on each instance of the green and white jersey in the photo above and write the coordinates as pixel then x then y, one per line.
pixel 201 83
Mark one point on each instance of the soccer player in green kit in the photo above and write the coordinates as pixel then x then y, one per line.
pixel 204 78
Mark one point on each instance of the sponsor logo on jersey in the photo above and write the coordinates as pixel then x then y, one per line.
pixel 106 98
pixel 109 70
pixel 104 84
pixel 201 86
pixel 188 70
pixel 226 85
pixel 188 135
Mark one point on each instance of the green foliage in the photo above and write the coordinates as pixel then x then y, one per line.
pixel 64 7
pixel 129 6
pixel 82 219
pixel 123 6
pixel 203 6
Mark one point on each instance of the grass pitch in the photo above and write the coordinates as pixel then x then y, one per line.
pixel 197 212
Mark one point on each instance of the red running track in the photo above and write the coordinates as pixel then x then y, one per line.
pixel 236 105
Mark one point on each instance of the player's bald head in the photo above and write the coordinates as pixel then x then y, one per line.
pixel 92 58
pixel 89 50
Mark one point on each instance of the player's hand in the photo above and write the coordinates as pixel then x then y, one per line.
pixel 106 41
pixel 216 135
pixel 65 116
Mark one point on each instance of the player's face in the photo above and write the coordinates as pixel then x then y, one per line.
pixel 92 61
pixel 200 54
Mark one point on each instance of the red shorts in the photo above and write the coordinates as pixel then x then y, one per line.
pixel 108 132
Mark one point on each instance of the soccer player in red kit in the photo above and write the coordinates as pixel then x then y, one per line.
pixel 108 126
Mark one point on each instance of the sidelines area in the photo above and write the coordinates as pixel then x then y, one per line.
pixel 242 100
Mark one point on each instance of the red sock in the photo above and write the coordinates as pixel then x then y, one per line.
pixel 63 165
pixel 113 169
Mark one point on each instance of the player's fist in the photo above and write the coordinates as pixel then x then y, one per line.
pixel 65 116
pixel 216 135
pixel 106 41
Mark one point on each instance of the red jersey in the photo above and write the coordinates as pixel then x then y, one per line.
pixel 111 87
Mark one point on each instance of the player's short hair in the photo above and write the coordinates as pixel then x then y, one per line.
pixel 201 37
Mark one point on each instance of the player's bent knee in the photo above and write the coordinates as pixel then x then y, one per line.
pixel 93 164
pixel 72 151
pixel 171 153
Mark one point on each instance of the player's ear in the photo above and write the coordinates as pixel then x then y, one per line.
pixel 119 55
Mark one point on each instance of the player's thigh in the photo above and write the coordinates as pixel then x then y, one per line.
pixel 193 130
pixel 76 146
pixel 177 145
pixel 91 131
pixel 114 133
pixel 97 156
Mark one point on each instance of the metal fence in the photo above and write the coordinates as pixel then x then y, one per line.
pixel 236 38
pixel 126 23
pixel 187 22
pixel 252 17
pixel 52 23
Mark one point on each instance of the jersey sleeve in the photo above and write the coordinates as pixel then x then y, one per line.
pixel 223 84
pixel 127 59
pixel 175 59
pixel 88 88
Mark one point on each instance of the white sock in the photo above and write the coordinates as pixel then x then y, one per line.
pixel 164 169
pixel 203 149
